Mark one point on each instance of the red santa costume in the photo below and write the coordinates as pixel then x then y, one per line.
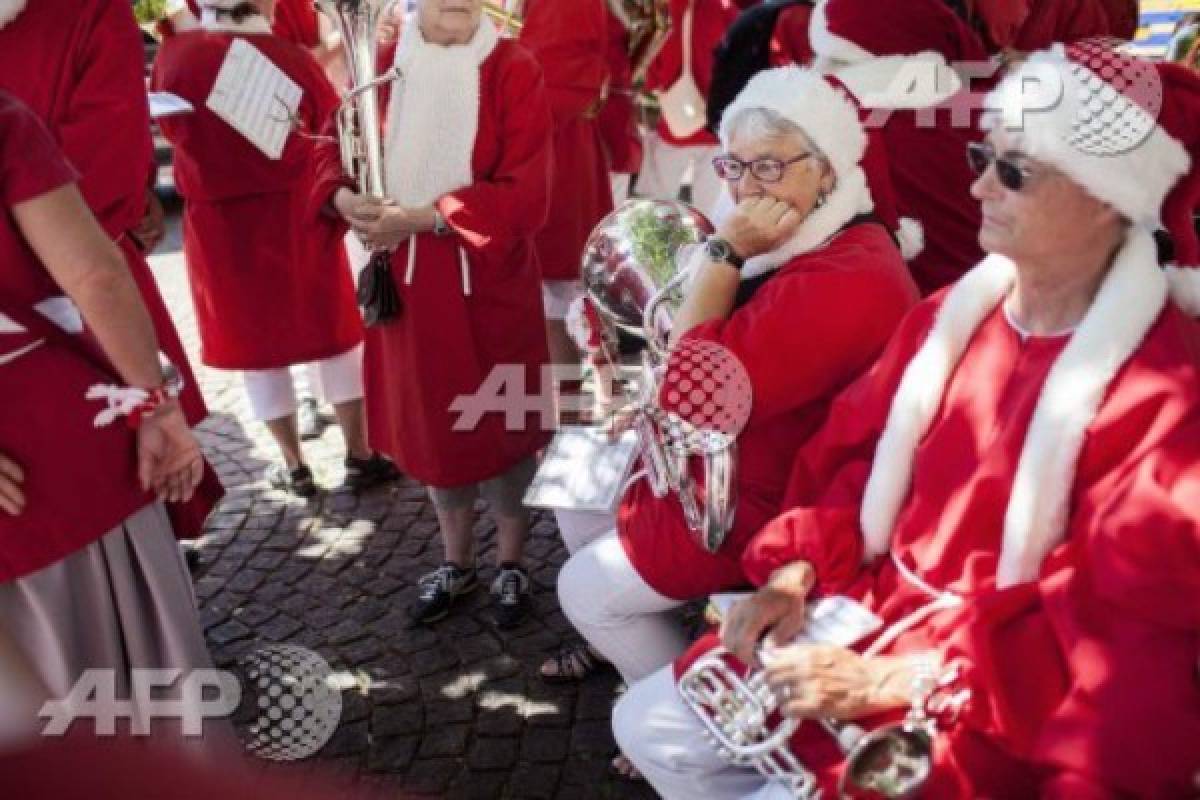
pixel 617 590
pixel 90 576
pixel 687 55
pixel 618 120
pixel 271 287
pixel 570 41
pixel 932 182
pixel 79 66
pixel 478 149
pixel 1023 506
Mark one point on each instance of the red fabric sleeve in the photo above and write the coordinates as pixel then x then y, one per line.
pixel 105 128
pixel 569 41
pixel 514 199
pixel 1144 542
pixel 30 162
pixel 296 21
pixel 830 473
pixel 827 323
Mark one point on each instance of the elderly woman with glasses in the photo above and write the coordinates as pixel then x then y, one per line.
pixel 802 286
pixel 1013 490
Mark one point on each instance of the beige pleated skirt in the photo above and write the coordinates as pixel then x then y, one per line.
pixel 123 602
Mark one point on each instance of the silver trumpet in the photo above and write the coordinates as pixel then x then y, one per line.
pixel 360 134
pixel 630 272
pixel 742 718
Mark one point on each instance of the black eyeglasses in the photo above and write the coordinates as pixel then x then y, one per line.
pixel 764 170
pixel 1012 176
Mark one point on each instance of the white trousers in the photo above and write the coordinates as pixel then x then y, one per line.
pixel 665 167
pixel 666 741
pixel 603 596
pixel 272 392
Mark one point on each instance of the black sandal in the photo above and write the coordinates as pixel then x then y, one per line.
pixel 572 664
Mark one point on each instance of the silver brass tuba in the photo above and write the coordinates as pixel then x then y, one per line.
pixel 742 719
pixel 360 133
pixel 630 272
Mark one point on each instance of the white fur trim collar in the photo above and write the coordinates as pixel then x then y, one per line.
pixel 1185 287
pixel 254 24
pixel 922 80
pixel 10 10
pixel 1130 299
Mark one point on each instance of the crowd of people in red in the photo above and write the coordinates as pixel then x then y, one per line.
pixel 971 347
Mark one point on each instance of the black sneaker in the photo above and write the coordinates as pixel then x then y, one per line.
pixel 439 590
pixel 367 473
pixel 309 423
pixel 510 595
pixel 298 481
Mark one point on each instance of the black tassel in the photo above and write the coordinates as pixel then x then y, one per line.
pixel 376 292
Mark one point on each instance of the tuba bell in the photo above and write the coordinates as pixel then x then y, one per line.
pixel 630 272
pixel 360 134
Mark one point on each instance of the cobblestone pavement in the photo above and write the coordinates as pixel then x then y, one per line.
pixel 454 710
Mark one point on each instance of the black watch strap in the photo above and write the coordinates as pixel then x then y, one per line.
pixel 721 250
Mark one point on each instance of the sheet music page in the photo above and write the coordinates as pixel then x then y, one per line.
pixel 256 98
pixel 582 470
pixel 165 104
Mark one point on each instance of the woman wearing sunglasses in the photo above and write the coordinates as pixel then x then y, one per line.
pixel 803 286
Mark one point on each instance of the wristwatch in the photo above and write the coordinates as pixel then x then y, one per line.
pixel 172 378
pixel 719 249
pixel 440 227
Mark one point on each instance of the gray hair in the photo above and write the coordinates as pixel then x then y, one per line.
pixel 763 123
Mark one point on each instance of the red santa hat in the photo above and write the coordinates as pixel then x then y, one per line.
pixel 10 10
pixel 1141 162
pixel 1121 127
pixel 851 31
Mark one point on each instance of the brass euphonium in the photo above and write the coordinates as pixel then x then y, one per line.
pixel 648 23
pixel 360 134
pixel 630 272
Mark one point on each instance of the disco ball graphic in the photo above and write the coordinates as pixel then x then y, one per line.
pixel 1118 98
pixel 706 398
pixel 298 710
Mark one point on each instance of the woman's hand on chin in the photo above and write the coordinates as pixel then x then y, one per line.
pixel 759 225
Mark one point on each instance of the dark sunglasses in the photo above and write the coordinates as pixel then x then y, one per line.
pixel 764 170
pixel 1012 176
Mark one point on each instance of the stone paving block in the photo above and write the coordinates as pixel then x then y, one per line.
pixel 432 776
pixel 349 740
pixel 493 753
pixel 444 740
pixel 281 628
pixel 477 786
pixel 228 632
pixel 396 720
pixel 592 736
pixel 544 746
pixel 391 754
pixel 533 782
pixel 360 652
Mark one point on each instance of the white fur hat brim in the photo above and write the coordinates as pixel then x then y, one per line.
pixel 1042 103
